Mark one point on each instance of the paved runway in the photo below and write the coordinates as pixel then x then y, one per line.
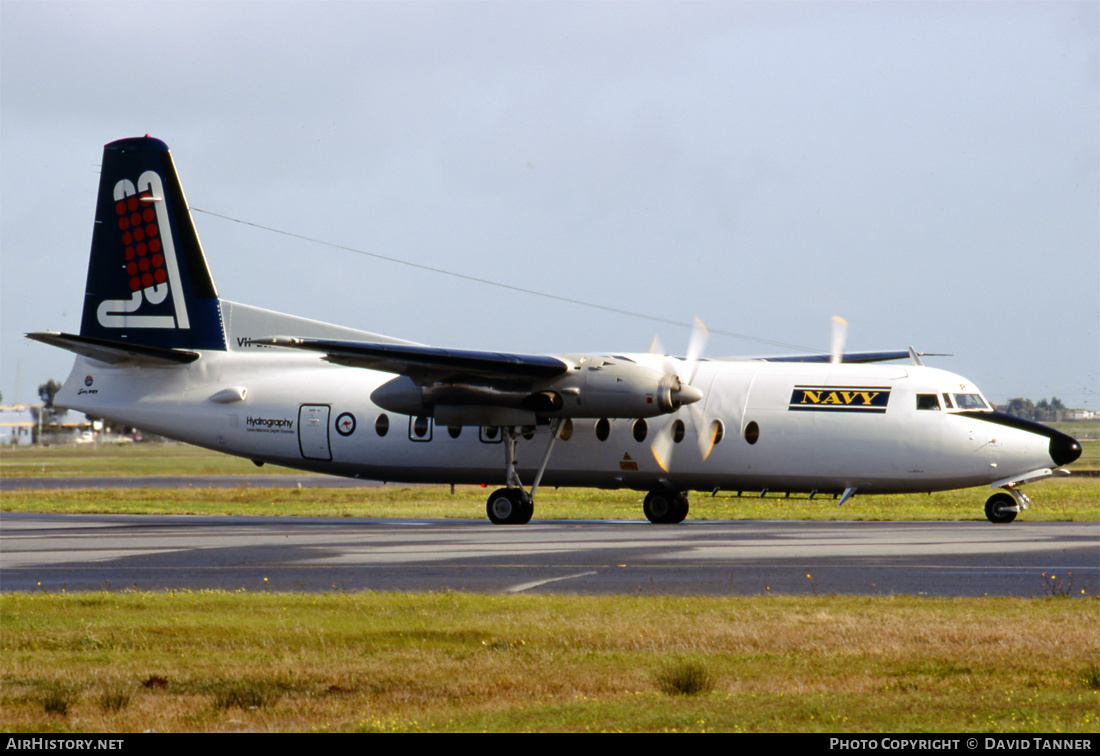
pixel 95 552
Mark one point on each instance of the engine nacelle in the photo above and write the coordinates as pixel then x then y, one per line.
pixel 618 387
pixel 612 387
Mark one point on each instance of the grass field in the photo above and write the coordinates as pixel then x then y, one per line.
pixel 129 662
pixel 125 460
pixel 1061 498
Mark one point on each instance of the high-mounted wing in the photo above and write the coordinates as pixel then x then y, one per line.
pixel 475 388
pixel 855 357
pixel 423 362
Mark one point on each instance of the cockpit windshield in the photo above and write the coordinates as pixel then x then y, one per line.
pixel 970 402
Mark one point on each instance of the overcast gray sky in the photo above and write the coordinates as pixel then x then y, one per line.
pixel 929 171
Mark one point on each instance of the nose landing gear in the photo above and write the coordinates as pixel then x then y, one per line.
pixel 1002 507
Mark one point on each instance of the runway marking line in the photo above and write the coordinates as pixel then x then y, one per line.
pixel 535 584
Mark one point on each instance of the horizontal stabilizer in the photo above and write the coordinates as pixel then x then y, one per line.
pixel 114 352
pixel 422 362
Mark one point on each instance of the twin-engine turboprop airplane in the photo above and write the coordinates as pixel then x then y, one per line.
pixel 158 349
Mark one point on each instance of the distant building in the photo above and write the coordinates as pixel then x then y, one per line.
pixel 17 425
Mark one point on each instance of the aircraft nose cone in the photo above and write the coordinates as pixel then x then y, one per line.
pixel 1064 449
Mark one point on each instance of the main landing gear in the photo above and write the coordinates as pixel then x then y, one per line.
pixel 1002 507
pixel 663 507
pixel 513 505
pixel 510 506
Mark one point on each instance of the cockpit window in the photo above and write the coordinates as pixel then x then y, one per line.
pixel 970 402
pixel 947 401
pixel 928 402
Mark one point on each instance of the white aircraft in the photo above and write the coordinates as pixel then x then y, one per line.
pixel 158 349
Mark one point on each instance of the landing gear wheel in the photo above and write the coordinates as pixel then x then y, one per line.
pixel 1001 508
pixel 509 506
pixel 665 507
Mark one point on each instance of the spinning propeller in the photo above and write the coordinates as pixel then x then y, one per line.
pixel 678 377
pixel 840 334
pixel 677 384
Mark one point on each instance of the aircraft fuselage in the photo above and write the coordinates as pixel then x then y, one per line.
pixel 784 426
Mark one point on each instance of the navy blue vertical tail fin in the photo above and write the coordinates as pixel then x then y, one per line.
pixel 148 282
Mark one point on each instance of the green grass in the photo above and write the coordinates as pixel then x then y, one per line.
pixel 125 460
pixel 215 661
pixel 1079 428
pixel 684 677
pixel 1066 499
pixel 1071 499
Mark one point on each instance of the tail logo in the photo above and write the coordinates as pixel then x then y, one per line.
pixel 149 260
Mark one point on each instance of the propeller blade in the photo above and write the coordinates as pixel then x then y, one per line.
pixel 840 334
pixel 679 374
pixel 699 338
pixel 662 450
pixel 706 433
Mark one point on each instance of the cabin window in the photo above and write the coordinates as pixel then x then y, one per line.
pixel 752 432
pixel 382 425
pixel 603 429
pixel 970 402
pixel 489 434
pixel 566 430
pixel 420 428
pixel 928 402
pixel 717 430
pixel 677 431
pixel 454 430
pixel 639 430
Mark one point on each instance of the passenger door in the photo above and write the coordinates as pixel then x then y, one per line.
pixel 313 432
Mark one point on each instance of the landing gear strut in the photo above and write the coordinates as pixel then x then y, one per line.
pixel 663 507
pixel 513 505
pixel 1002 507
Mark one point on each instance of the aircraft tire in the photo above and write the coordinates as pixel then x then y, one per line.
pixel 665 508
pixel 509 506
pixel 999 508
